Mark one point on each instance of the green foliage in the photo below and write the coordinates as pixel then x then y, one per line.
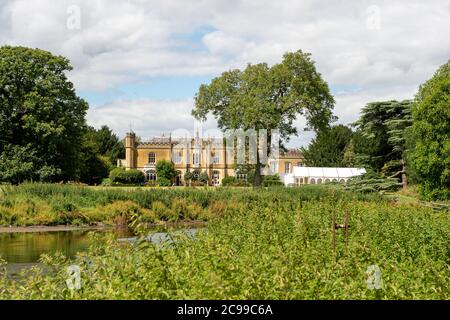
pixel 16 163
pixel 40 114
pixel 114 173
pixel 380 144
pixel 99 152
pixel 431 134
pixel 372 182
pixel 263 97
pixel 272 181
pixel 166 170
pixel 203 177
pixel 106 182
pixel 122 176
pixel 231 181
pixel 108 143
pixel 328 147
pixel 163 182
pixel 188 176
pixel 228 181
pixel 260 244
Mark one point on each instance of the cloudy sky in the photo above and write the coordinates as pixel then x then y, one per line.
pixel 139 63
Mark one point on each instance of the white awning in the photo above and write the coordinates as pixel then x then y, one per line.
pixel 327 172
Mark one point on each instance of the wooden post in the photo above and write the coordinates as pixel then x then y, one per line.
pixel 347 218
pixel 333 229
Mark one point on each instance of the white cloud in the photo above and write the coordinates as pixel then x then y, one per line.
pixel 147 117
pixel 125 41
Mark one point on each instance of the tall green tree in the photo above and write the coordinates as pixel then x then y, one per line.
pixel 431 134
pixel 328 147
pixel 165 169
pixel 263 97
pixel 380 143
pixel 99 152
pixel 108 143
pixel 40 115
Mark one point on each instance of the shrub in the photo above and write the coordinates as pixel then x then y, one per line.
pixel 123 212
pixel 161 211
pixel 272 181
pixel 163 182
pixel 114 173
pixel 133 176
pixel 228 181
pixel 179 209
pixel 196 183
pixel 203 177
pixel 165 169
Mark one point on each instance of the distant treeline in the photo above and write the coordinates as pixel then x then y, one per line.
pixel 397 141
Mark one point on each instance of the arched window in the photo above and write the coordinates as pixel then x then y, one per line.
pixel 319 181
pixel 301 181
pixel 335 180
pixel 151 175
pixel 216 178
pixel 327 180
pixel 312 181
pixel 152 158
pixel 342 181
pixel 196 174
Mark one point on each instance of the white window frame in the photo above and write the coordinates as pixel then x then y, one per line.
pixel 150 154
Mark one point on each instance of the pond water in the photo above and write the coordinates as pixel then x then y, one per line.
pixel 23 250
pixel 27 247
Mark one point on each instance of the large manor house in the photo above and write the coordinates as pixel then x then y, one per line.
pixel 200 155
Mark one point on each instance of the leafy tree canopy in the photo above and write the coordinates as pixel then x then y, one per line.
pixel 41 118
pixel 328 147
pixel 263 97
pixel 380 140
pixel 431 134
pixel 165 169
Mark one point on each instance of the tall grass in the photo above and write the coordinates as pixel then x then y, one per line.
pixel 50 204
pixel 262 244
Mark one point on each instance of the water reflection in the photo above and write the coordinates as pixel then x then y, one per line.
pixel 28 247
pixel 23 250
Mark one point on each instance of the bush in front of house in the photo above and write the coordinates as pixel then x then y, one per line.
pixel 163 182
pixel 127 177
pixel 228 181
pixel 233 182
pixel 203 177
pixel 272 181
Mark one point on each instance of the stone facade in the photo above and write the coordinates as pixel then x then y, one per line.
pixel 194 155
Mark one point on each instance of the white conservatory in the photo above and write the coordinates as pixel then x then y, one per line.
pixel 319 175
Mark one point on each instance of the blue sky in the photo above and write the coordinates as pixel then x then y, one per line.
pixel 157 88
pixel 140 63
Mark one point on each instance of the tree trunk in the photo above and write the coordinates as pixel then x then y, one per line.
pixel 404 179
pixel 257 179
